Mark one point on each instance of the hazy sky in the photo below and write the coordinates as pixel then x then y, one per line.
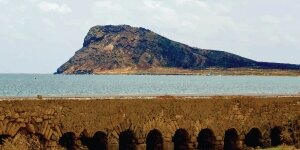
pixel 37 36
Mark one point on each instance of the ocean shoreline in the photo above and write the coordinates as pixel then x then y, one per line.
pixel 150 97
pixel 187 72
pixel 198 72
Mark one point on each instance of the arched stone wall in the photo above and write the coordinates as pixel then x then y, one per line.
pixel 53 118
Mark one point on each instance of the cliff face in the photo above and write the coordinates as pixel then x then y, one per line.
pixel 108 48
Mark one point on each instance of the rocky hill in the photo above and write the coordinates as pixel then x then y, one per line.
pixel 124 48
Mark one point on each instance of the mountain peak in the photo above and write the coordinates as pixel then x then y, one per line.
pixel 97 32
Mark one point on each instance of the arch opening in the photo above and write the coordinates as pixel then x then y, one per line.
pixel 85 139
pixel 68 141
pixel 99 141
pixel 206 139
pixel 127 140
pixel 154 140
pixel 231 140
pixel 3 137
pixel 181 139
pixel 276 136
pixel 253 138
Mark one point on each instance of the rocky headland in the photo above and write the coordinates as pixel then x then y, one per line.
pixel 124 49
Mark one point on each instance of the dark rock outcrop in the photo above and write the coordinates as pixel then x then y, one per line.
pixel 125 47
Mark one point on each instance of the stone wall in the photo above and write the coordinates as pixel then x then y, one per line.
pixel 50 118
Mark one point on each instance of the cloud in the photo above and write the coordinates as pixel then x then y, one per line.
pixel 152 4
pixel 199 3
pixel 108 4
pixel 269 19
pixel 3 1
pixel 54 7
pixel 222 9
pixel 244 27
pixel 291 39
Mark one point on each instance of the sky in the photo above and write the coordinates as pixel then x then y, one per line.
pixel 37 36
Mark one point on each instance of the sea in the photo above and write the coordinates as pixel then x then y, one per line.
pixel 30 85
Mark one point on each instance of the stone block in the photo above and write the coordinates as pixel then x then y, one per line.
pixel 193 139
pixel 140 140
pixel 23 114
pixel 235 108
pixel 219 138
pixel 240 117
pixel 49 111
pixel 12 129
pixel 115 134
pixel 141 147
pixel 30 128
pixel 45 117
pixel 113 141
pixel 38 120
pixel 242 137
pixel 19 110
pixel 46 128
pixel 34 114
pixel 26 120
pixel 1 127
pixel 15 115
pixel 113 146
pixel 168 139
pixel 192 145
pixel 55 121
pixel 57 129
pixel 7 127
pixel 20 120
pixel 23 125
pixel 219 142
pixel 54 136
pixel 48 134
pixel 179 117
pixel 8 113
pixel 51 143
pixel 2 117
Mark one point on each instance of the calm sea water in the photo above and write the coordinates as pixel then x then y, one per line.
pixel 108 85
